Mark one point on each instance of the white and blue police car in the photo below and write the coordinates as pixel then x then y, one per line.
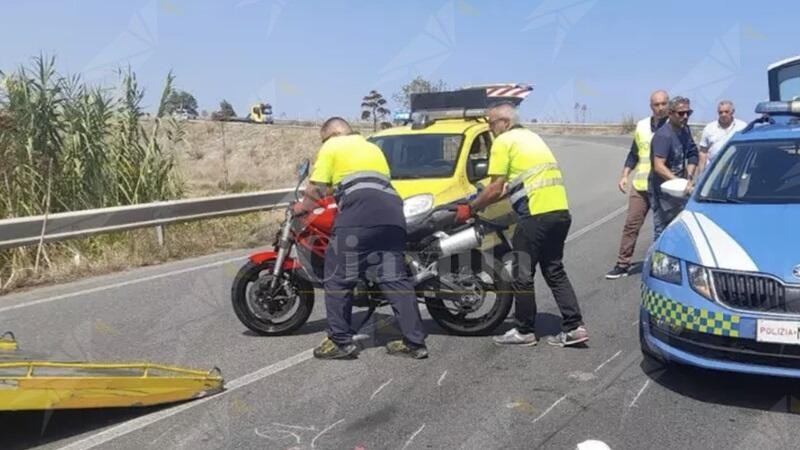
pixel 721 286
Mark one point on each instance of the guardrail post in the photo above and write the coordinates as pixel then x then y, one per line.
pixel 160 235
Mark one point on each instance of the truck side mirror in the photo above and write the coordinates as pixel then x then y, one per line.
pixel 302 168
pixel 477 169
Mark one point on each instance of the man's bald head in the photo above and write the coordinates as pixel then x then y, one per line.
pixel 335 126
pixel 502 117
pixel 659 102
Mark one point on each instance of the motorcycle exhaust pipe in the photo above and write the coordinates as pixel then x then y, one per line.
pixel 463 241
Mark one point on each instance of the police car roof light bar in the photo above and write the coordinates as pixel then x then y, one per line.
pixel 779 108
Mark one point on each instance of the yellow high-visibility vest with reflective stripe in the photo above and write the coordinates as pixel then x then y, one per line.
pixel 643 135
pixel 535 184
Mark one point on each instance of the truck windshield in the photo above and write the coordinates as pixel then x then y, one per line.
pixel 755 172
pixel 420 155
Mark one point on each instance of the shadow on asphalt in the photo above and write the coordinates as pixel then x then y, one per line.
pixel 27 429
pixel 381 323
pixel 725 388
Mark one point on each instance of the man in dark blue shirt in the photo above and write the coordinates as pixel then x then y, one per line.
pixel 673 154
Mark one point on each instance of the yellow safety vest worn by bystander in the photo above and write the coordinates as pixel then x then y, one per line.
pixel 360 176
pixel 535 185
pixel 642 136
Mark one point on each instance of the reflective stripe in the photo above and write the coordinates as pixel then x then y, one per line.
pixel 364 174
pixel 369 185
pixel 533 171
pixel 365 179
pixel 538 184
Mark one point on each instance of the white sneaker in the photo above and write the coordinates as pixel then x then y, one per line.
pixel 514 337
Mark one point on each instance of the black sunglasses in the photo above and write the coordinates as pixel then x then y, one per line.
pixel 684 113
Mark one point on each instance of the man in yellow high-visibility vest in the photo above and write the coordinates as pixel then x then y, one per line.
pixel 537 194
pixel 639 199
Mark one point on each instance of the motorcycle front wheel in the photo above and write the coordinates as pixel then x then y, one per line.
pixel 266 312
pixel 487 302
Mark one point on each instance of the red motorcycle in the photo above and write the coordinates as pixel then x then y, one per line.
pixel 462 286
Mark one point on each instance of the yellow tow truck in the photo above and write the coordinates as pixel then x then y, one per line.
pixel 443 150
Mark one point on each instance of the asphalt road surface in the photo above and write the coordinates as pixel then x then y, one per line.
pixel 469 394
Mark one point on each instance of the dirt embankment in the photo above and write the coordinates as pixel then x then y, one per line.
pixel 219 157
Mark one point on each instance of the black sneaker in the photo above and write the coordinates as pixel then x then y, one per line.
pixel 400 348
pixel 331 350
pixel 617 272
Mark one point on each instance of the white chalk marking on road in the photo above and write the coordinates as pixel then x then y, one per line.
pixel 635 322
pixel 597 223
pixel 546 411
pixel 149 419
pixel 325 430
pixel 408 442
pixel 117 285
pixel 271 438
pixel 295 427
pixel 641 391
pixel 380 388
pixel 608 361
pixel 441 378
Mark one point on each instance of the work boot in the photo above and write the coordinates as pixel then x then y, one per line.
pixel 565 339
pixel 617 272
pixel 331 350
pixel 514 337
pixel 400 348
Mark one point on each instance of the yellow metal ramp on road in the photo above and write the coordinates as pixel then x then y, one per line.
pixel 35 384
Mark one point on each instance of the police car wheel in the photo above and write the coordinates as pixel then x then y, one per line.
pixel 263 312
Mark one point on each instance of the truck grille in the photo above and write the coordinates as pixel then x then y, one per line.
pixel 756 292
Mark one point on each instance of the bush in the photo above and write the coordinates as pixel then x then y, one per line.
pixel 69 146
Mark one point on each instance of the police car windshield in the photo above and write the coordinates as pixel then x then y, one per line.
pixel 420 155
pixel 755 172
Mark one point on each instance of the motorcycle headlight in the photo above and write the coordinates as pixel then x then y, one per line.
pixel 700 280
pixel 417 205
pixel 665 268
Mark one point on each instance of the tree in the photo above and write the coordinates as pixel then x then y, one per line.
pixel 374 105
pixel 225 111
pixel 416 86
pixel 180 100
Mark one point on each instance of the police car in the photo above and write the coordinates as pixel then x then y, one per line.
pixel 721 286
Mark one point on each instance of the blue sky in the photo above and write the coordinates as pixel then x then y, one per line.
pixel 318 58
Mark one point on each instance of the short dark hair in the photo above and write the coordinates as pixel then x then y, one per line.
pixel 675 101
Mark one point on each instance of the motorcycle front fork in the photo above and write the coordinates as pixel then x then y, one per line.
pixel 284 245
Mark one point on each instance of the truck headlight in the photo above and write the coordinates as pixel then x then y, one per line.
pixel 417 205
pixel 665 268
pixel 700 280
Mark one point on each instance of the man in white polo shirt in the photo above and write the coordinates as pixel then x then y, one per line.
pixel 717 133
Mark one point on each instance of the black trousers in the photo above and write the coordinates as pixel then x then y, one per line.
pixel 540 240
pixel 375 253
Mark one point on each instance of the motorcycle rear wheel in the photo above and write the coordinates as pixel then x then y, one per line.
pixel 460 325
pixel 248 276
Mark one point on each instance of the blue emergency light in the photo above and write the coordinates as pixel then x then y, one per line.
pixel 792 107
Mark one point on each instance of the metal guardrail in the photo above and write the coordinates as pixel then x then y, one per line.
pixel 23 231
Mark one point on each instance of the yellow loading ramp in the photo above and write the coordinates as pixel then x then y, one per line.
pixel 36 384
